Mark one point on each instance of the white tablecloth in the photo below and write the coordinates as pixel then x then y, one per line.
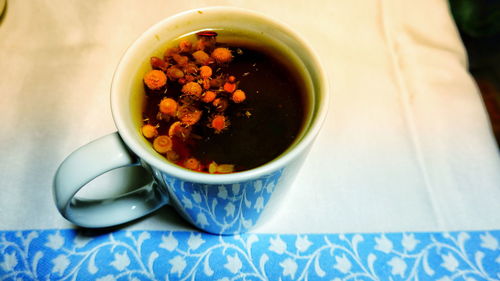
pixel 406 146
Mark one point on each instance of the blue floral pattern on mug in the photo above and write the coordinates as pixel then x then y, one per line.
pixel 180 255
pixel 224 208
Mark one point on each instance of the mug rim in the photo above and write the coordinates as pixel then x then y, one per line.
pixel 311 131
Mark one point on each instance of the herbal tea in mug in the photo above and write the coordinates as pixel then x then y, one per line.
pixel 220 107
pixel 219 103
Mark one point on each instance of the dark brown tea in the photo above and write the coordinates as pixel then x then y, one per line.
pixel 247 108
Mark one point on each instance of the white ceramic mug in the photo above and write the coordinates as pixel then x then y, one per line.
pixel 217 203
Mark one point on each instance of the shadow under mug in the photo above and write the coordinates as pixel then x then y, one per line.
pixel 216 203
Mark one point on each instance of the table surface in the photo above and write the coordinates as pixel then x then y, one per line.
pixel 406 147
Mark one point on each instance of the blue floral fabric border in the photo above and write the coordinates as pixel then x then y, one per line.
pixel 180 255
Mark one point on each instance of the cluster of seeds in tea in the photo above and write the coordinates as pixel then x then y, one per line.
pixel 219 108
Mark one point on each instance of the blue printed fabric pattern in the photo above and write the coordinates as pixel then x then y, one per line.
pixel 157 255
pixel 224 208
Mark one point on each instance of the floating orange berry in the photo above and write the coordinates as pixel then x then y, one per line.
pixel 174 73
pixel 225 168
pixel 178 130
pixel 201 45
pixel 155 79
pixel 206 83
pixel 229 87
pixel 208 96
pixel 231 79
pixel 158 63
pixel 219 123
pixel 191 68
pixel 212 167
pixel 188 115
pixel 168 106
pixel 192 163
pixel 220 104
pixel 162 144
pixel 222 55
pixel 172 156
pixel 205 71
pixel 179 59
pixel 201 57
pixel 174 128
pixel 238 96
pixel 185 46
pixel 206 39
pixel 192 88
pixel 170 52
pixel 216 83
pixel 149 131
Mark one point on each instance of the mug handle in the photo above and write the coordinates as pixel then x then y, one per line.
pixel 90 161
